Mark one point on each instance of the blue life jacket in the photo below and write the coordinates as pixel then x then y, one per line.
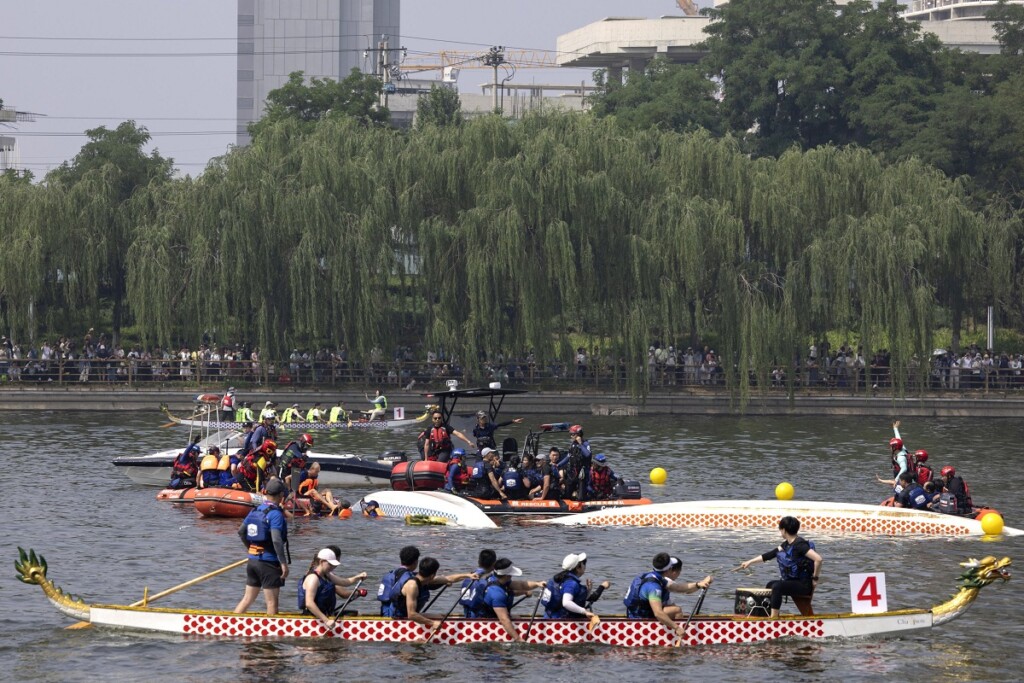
pixel 486 611
pixel 551 598
pixel 512 480
pixel 916 497
pixel 472 597
pixel 479 470
pixel 211 478
pixel 638 608
pixel 225 478
pixel 801 569
pixel 326 597
pixel 399 608
pixel 256 532
pixel 386 589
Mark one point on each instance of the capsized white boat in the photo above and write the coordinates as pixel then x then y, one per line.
pixel 429 504
pixel 615 631
pixel 813 516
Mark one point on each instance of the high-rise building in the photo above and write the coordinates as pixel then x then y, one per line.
pixel 323 38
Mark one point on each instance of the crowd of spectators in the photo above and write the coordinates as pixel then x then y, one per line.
pixel 95 359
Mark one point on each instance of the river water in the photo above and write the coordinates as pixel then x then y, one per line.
pixel 106 539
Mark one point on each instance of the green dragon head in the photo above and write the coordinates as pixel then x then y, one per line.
pixel 982 572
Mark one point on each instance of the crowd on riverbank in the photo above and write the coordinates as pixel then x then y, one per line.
pixel 95 359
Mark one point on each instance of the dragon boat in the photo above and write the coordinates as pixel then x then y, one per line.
pixel 813 516
pixel 614 631
pixel 206 417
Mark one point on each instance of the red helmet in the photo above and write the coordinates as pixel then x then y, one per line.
pixel 948 471
pixel 576 429
pixel 895 443
pixel 307 440
pixel 921 455
pixel 269 446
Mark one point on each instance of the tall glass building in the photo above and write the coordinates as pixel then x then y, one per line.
pixel 323 38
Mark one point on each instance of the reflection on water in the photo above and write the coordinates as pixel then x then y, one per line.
pixel 107 539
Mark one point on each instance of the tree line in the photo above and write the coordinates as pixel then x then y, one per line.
pixel 487 235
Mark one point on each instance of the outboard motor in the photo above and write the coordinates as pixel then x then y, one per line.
pixel 626 489
pixel 393 456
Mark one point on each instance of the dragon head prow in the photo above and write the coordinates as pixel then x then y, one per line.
pixel 31 567
pixel 985 571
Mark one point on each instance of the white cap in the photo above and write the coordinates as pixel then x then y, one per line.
pixel 328 554
pixel 510 570
pixel 573 560
pixel 269 403
pixel 487 451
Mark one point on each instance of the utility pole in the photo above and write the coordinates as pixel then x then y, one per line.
pixel 495 58
pixel 382 70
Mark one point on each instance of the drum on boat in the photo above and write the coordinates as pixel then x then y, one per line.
pixel 421 475
pixel 753 602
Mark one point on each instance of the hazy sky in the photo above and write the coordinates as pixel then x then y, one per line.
pixel 170 64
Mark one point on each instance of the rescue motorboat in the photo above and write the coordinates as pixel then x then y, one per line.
pixel 615 631
pixel 813 516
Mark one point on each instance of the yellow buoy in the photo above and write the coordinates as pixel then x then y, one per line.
pixel 784 491
pixel 992 524
pixel 658 476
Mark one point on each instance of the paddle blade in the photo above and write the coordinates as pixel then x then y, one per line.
pixel 594 621
pixel 168 424
pixel 78 625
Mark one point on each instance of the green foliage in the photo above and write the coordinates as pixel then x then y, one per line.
pixel 356 96
pixel 1008 23
pixel 440 107
pixel 663 95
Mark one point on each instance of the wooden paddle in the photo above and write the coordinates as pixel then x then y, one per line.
pixel 439 624
pixel 146 600
pixel 696 608
pixel 341 610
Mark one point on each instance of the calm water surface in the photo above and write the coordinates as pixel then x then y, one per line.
pixel 106 539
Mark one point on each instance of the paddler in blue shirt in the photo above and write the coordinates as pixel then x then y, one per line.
pixel 499 595
pixel 484 430
pixel 265 532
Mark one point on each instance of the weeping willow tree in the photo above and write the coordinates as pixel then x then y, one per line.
pixel 498 237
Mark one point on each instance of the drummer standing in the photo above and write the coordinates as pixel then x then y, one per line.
pixel 799 566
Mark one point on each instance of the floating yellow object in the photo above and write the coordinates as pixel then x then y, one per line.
pixel 426 520
pixel 658 476
pixel 992 524
pixel 784 491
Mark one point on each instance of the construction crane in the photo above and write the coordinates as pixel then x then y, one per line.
pixel 689 7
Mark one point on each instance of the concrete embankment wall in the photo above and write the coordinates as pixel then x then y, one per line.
pixel 547 403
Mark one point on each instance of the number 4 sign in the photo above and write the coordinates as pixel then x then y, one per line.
pixel 867 593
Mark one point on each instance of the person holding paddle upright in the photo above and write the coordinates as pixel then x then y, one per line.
pixel 265 532
pixel 319 591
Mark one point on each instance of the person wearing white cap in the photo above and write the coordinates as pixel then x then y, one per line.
pixel 566 596
pixel 319 590
pixel 268 411
pixel 292 414
pixel 500 594
pixel 648 595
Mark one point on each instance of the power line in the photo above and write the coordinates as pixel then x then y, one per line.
pixel 166 133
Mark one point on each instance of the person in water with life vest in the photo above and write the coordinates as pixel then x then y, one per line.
pixel 264 531
pixel 371 509
pixel 484 430
pixel 320 502
pixel 319 590
pixel 436 440
pixel 566 596
pixel 649 594
pixel 499 595
pixel 799 566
